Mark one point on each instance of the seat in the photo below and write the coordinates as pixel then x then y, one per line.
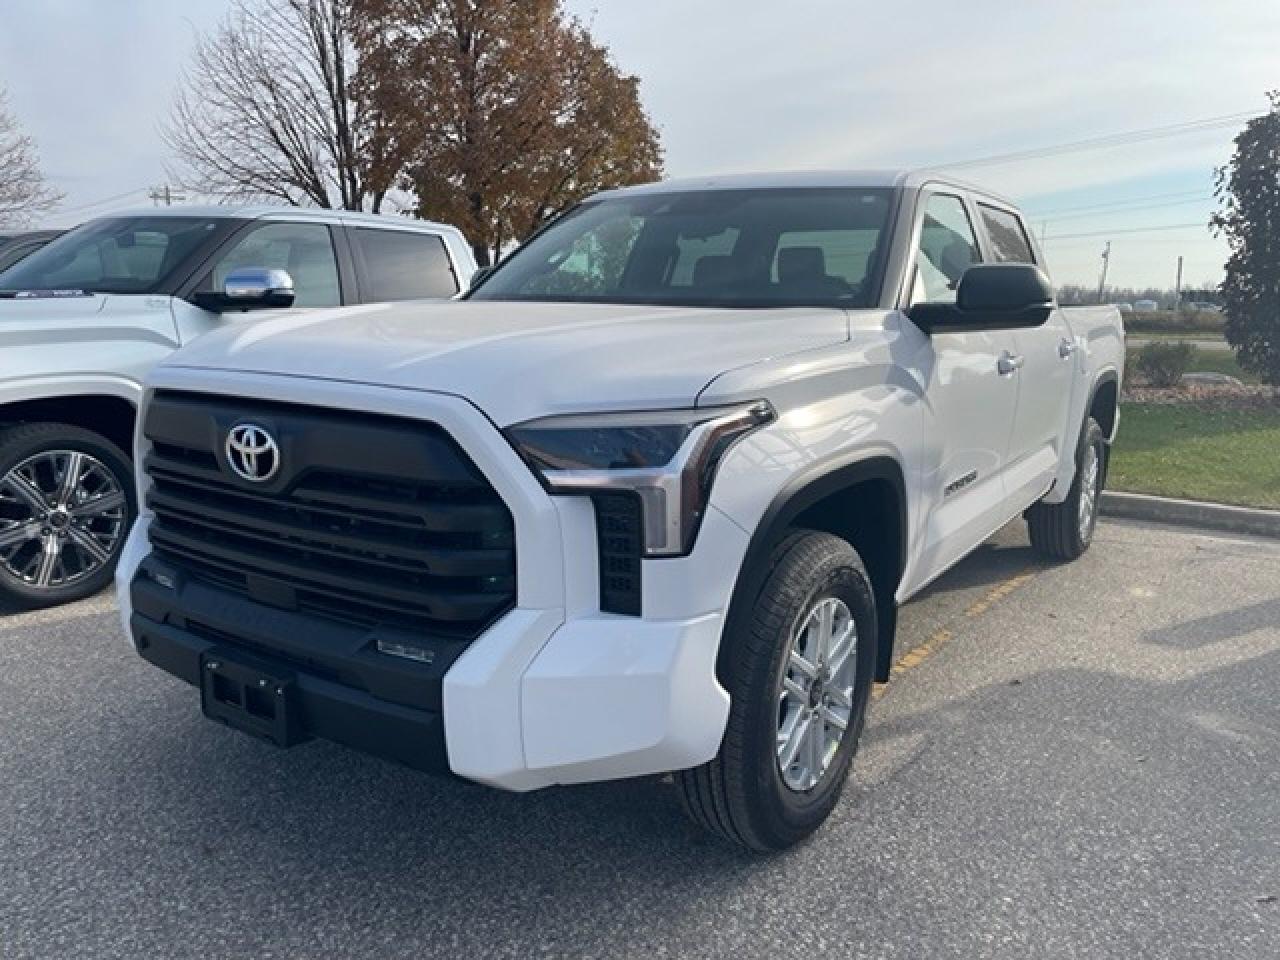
pixel 802 271
pixel 711 271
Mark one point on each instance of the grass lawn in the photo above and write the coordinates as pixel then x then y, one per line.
pixel 1179 450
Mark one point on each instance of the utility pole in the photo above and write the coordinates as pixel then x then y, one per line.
pixel 165 195
pixel 1106 261
pixel 1177 288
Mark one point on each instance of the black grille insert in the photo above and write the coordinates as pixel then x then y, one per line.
pixel 620 532
pixel 373 521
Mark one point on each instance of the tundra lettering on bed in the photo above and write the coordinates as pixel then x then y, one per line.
pixel 645 501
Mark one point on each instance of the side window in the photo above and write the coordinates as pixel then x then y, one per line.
pixel 400 265
pixel 948 247
pixel 1008 237
pixel 305 250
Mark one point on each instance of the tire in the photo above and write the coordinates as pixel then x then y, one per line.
pixel 1063 531
pixel 60 542
pixel 743 794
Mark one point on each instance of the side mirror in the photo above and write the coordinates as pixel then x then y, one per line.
pixel 250 288
pixel 998 296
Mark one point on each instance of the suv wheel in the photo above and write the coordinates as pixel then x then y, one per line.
pixel 1063 531
pixel 799 678
pixel 66 505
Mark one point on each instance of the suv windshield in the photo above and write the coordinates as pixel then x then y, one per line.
pixel 116 255
pixel 771 247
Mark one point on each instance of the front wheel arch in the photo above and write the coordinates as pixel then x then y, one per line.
pixel 862 500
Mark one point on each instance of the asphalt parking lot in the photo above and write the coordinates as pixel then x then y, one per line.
pixel 1076 761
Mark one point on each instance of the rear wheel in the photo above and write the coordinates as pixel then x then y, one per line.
pixel 799 677
pixel 66 505
pixel 1063 531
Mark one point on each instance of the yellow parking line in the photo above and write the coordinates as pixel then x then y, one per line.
pixel 925 650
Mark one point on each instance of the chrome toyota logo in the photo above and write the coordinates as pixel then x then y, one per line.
pixel 252 453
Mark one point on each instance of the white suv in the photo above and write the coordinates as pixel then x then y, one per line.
pixel 85 318
pixel 646 500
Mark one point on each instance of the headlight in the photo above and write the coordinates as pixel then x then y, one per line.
pixel 668 458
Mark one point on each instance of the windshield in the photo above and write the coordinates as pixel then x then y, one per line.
pixel 732 248
pixel 116 255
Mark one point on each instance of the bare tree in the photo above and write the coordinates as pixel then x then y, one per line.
pixel 267 110
pixel 23 191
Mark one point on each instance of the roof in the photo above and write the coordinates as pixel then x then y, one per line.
pixel 902 178
pixel 266 211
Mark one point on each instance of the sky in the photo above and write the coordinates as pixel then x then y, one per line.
pixel 758 85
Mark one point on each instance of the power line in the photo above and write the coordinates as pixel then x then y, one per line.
pixel 1036 215
pixel 1109 233
pixel 98 203
pixel 1129 209
pixel 1123 138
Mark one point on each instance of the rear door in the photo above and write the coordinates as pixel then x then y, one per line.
pixel 971 401
pixel 1044 380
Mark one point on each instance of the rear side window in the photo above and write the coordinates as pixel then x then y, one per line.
pixel 1008 238
pixel 403 266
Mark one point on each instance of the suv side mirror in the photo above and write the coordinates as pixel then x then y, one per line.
pixel 998 296
pixel 251 288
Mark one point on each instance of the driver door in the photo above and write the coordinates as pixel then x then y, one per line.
pixel 971 403
pixel 305 250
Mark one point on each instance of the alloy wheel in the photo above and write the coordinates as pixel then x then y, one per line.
pixel 816 696
pixel 62 515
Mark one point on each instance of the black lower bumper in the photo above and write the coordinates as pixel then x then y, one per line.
pixel 318 706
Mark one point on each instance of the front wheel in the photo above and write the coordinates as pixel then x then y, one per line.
pixel 1063 531
pixel 799 678
pixel 66 505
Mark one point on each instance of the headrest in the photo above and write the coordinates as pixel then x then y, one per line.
pixel 801 263
pixel 711 271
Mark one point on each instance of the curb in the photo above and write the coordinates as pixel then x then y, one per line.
pixel 1191 513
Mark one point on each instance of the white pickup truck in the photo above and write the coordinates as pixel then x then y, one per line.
pixel 83 319
pixel 647 500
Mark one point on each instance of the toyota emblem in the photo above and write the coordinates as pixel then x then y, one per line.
pixel 252 453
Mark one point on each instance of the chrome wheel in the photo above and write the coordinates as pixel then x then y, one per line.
pixel 62 515
pixel 1090 473
pixel 816 696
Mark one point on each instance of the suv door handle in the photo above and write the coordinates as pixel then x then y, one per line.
pixel 1009 362
pixel 1066 348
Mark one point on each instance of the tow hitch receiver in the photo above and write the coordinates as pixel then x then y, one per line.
pixel 251 696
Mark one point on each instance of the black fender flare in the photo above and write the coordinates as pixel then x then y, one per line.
pixel 803 490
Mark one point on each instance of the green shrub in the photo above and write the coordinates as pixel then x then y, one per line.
pixel 1163 364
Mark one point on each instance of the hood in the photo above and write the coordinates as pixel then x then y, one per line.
pixel 520 360
pixel 108 320
pixel 52 307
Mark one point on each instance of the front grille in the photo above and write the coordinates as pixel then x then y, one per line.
pixel 372 521
pixel 619 531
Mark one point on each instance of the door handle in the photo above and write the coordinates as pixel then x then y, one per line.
pixel 1009 362
pixel 1066 348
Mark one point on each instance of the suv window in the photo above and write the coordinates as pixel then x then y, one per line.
pixel 948 247
pixel 305 250
pixel 1008 238
pixel 399 265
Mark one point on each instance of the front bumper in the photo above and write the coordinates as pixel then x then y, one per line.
pixel 553 692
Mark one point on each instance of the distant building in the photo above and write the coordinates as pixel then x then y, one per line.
pixel 1145 306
